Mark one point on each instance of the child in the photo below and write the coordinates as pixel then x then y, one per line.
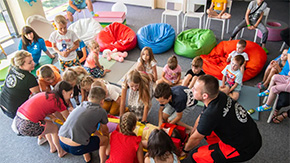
pixel 139 94
pixel 171 72
pixel 161 148
pixel 125 146
pixel 82 52
pixel 75 134
pixel 48 75
pixel 241 45
pixel 252 21
pixel 232 78
pixel 65 42
pixel 31 42
pixel 192 74
pixel 92 64
pixel 86 87
pixel 274 67
pixel 147 63
pixel 172 101
pixel 113 96
pixel 217 9
pixel 74 76
pixel 77 5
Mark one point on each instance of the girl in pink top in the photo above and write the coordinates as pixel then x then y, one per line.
pixel 92 64
pixel 30 117
pixel 171 72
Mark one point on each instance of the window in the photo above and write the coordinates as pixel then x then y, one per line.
pixel 53 7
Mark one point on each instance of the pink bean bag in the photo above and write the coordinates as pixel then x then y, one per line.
pixel 118 36
pixel 215 61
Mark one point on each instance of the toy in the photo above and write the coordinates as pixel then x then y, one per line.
pixel 114 54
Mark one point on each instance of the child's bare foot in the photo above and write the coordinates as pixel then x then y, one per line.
pixel 107 70
pixel 52 149
pixel 62 153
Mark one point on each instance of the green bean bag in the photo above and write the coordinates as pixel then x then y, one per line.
pixel 194 42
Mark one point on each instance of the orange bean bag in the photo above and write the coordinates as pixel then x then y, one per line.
pixel 215 61
pixel 118 36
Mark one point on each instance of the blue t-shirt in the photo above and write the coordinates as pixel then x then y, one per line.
pixel 82 44
pixel 285 69
pixel 35 49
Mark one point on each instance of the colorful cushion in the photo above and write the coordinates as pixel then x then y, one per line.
pixel 118 36
pixel 194 42
pixel 215 61
pixel 159 37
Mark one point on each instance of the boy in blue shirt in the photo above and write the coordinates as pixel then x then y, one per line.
pixel 78 5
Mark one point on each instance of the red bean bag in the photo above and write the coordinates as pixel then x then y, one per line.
pixel 215 61
pixel 118 36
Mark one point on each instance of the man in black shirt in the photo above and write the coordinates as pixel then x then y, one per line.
pixel 231 133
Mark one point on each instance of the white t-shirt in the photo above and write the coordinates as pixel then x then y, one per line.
pixel 235 53
pixel 64 42
pixel 114 92
pixel 232 77
pixel 148 66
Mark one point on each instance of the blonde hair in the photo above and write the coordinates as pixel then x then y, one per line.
pixel 87 80
pixel 97 93
pixel 92 43
pixel 100 83
pixel 143 80
pixel 19 58
pixel 60 19
pixel 172 62
pixel 197 62
pixel 70 75
pixel 151 56
pixel 127 123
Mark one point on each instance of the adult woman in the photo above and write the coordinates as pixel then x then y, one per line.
pixel 31 42
pixel 30 117
pixel 139 95
pixel 19 83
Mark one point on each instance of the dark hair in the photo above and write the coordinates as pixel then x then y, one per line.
pixel 57 91
pixel 160 145
pixel 240 59
pixel 25 41
pixel 162 90
pixel 45 71
pixel 172 62
pixel 211 85
pixel 243 43
pixel 197 62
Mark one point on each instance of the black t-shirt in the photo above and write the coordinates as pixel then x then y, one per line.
pixel 182 97
pixel 193 74
pixel 16 88
pixel 230 121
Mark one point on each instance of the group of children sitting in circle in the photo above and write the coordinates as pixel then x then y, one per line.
pixel 99 97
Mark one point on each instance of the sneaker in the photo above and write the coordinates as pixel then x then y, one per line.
pixel 267 52
pixel 264 108
pixel 265 93
pixel 41 141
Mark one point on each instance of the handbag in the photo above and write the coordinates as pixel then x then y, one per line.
pixel 253 15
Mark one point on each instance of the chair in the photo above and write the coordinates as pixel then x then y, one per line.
pixel 191 7
pixel 266 14
pixel 282 47
pixel 273 108
pixel 229 6
pixel 172 12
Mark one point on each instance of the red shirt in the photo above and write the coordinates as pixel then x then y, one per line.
pixel 123 148
pixel 38 107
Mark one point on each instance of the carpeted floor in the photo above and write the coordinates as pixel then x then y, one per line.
pixel 275 137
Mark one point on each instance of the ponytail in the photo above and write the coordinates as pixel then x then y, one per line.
pixel 127 123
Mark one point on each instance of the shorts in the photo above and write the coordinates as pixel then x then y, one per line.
pixel 168 109
pixel 79 6
pixel 65 64
pixel 95 72
pixel 218 11
pixel 237 89
pixel 94 144
pixel 29 128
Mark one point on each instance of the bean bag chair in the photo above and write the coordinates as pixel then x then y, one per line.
pixel 194 42
pixel 86 29
pixel 159 37
pixel 215 61
pixel 118 36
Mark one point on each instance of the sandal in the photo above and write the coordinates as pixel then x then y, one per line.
pixel 265 93
pixel 276 113
pixel 263 108
pixel 278 119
